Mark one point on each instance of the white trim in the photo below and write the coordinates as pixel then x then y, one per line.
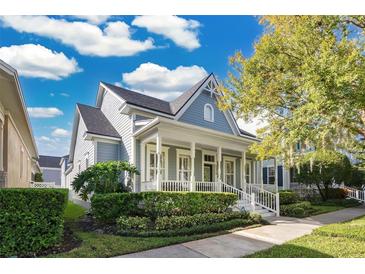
pixel 92 136
pixel 211 118
pixel 230 159
pixel 148 169
pixel 50 168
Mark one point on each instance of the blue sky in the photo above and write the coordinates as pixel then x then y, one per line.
pixel 61 62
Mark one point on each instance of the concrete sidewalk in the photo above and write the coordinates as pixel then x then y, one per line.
pixel 245 242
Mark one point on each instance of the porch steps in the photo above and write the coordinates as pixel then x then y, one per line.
pixel 258 209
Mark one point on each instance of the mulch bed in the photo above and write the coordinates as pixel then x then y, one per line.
pixel 69 242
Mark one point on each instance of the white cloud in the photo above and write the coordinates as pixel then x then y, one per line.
pixel 93 19
pixel 53 146
pixel 182 31
pixel 60 132
pixel 161 82
pixel 41 112
pixel 253 125
pixel 52 94
pixel 64 94
pixel 88 39
pixel 32 60
pixel 118 84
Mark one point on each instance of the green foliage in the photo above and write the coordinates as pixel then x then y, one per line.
pixel 324 168
pixel 299 210
pixel 103 177
pixel 306 78
pixel 31 220
pixel 108 207
pixel 288 197
pixel 38 177
pixel 357 177
pixel 133 223
pixel 194 230
pixel 177 222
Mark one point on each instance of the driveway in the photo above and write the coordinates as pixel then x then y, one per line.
pixel 245 242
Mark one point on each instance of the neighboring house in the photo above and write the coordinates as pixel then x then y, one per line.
pixel 186 144
pixel 18 151
pixel 51 169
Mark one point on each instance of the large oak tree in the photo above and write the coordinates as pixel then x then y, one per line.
pixel 306 78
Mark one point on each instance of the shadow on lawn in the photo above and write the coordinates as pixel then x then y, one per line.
pixel 289 251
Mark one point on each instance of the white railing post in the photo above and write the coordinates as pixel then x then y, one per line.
pixel 277 204
pixel 253 203
pixel 357 194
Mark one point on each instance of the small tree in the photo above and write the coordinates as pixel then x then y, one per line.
pixel 38 177
pixel 103 177
pixel 323 168
pixel 357 177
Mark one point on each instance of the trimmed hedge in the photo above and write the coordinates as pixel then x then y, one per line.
pixel 288 197
pixel 298 210
pixel 250 219
pixel 108 207
pixel 31 220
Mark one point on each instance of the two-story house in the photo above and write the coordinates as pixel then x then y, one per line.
pixel 187 144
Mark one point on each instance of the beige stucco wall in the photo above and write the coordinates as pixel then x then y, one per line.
pixel 18 162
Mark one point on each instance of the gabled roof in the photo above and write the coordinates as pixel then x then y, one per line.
pixel 49 161
pixel 173 108
pixel 96 122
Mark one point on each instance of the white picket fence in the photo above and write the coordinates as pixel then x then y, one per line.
pixel 43 184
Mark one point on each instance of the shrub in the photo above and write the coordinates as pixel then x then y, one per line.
pixel 38 177
pixel 176 222
pixel 108 207
pixel 336 193
pixel 294 210
pixel 103 177
pixel 255 217
pixel 133 223
pixel 288 197
pixel 31 220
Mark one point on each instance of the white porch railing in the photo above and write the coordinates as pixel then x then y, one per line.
pixel 355 193
pixel 264 198
pixel 43 184
pixel 253 196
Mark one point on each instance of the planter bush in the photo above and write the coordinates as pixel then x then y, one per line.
pixel 177 222
pixel 133 223
pixel 298 210
pixel 31 220
pixel 109 207
pixel 288 197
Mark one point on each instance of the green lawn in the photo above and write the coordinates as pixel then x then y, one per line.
pixel 103 245
pixel 343 240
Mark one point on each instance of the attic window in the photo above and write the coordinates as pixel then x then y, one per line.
pixel 208 113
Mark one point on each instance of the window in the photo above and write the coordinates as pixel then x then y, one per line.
pixel 208 113
pixel 152 163
pixel 209 166
pixel 183 165
pixel 271 175
pixel 298 147
pixel 229 171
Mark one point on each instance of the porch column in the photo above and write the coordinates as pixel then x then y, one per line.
pixel 219 161
pixel 143 163
pixel 262 174
pixel 243 171
pixel 276 175
pixel 254 163
pixel 158 153
pixel 192 156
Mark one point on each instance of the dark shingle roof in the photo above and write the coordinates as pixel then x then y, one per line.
pixel 96 122
pixel 49 161
pixel 141 100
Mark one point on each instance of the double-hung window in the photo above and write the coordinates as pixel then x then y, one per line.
pixel 183 165
pixel 152 163
pixel 248 172
pixel 229 170
pixel 271 175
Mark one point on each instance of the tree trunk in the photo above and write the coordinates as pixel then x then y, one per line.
pixel 323 195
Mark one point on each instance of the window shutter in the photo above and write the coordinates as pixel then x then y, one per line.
pixel 265 175
pixel 280 175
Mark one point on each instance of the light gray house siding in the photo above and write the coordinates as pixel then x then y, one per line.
pixel 121 122
pixel 51 175
pixel 107 152
pixel 195 114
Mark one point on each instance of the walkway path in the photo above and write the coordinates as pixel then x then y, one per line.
pixel 245 242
